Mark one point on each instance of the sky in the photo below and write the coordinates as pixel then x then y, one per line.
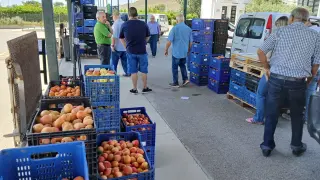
pixel 12 2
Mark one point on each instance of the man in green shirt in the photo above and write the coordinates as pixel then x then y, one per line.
pixel 102 34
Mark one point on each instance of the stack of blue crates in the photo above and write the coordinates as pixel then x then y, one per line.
pixel 201 52
pixel 219 74
pixel 104 93
pixel 86 21
pixel 244 86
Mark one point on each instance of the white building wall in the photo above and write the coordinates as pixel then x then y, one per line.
pixel 213 8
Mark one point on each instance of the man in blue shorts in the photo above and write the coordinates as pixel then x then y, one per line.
pixel 134 35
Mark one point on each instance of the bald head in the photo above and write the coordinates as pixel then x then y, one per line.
pixel 101 16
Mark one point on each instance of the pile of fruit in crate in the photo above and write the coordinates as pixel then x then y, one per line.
pixel 121 158
pixel 135 119
pixel 100 72
pixel 70 118
pixel 64 91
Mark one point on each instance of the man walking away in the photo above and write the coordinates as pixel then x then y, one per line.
pixel 134 35
pixel 155 35
pixel 118 50
pixel 180 37
pixel 102 34
pixel 295 56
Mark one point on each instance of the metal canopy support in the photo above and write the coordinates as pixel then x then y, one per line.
pixel 146 10
pixel 185 5
pixel 69 5
pixel 50 35
pixel 128 6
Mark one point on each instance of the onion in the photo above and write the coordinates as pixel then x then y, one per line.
pixel 81 115
pixel 37 128
pixel 44 112
pixel 46 119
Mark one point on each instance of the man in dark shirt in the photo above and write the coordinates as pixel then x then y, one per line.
pixel 134 35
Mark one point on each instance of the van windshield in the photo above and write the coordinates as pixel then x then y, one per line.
pixel 250 28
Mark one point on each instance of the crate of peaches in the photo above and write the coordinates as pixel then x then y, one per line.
pixel 45 162
pixel 73 122
pixel 101 84
pixel 136 119
pixel 63 89
pixel 121 156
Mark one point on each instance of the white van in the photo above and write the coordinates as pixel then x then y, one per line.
pixel 162 19
pixel 253 28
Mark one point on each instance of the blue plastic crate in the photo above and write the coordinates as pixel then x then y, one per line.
pixel 88 30
pixel 218 87
pixel 201 70
pixel 203 24
pixel 238 77
pixel 151 153
pixel 47 162
pixel 90 22
pixel 80 30
pixel 219 75
pixel 87 1
pixel 202 36
pixel 129 136
pixel 79 16
pixel 107 117
pixel 221 63
pixel 198 80
pixel 250 97
pixel 101 89
pixel 205 48
pixel 236 90
pixel 201 59
pixel 147 131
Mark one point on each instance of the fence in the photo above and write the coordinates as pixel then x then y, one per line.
pixel 16 19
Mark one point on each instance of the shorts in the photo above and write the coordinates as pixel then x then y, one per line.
pixel 137 62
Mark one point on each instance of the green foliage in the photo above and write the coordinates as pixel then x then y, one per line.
pixel 270 6
pixel 193 7
pixel 29 7
pixel 58 4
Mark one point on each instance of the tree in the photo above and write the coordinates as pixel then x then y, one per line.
pixel 270 6
pixel 58 4
pixel 194 7
pixel 32 3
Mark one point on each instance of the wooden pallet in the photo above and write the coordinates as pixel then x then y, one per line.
pixel 247 58
pixel 239 101
pixel 252 68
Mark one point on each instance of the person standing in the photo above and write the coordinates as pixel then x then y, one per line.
pixel 262 90
pixel 154 35
pixel 118 50
pixel 102 34
pixel 134 35
pixel 295 56
pixel 180 37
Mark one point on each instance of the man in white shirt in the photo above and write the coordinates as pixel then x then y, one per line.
pixel 314 27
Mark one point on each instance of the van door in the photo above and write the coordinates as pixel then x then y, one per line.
pixel 257 33
pixel 240 37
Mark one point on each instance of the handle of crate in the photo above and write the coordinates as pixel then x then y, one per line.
pixel 133 110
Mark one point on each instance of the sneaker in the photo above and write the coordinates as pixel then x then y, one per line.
pixel 186 82
pixel 126 75
pixel 146 90
pixel 174 85
pixel 251 121
pixel 286 116
pixel 134 91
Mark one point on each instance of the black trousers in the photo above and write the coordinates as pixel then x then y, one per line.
pixel 104 52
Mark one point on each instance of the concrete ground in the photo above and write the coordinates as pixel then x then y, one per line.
pixel 206 133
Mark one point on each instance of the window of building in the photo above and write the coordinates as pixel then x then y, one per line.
pixel 233 14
